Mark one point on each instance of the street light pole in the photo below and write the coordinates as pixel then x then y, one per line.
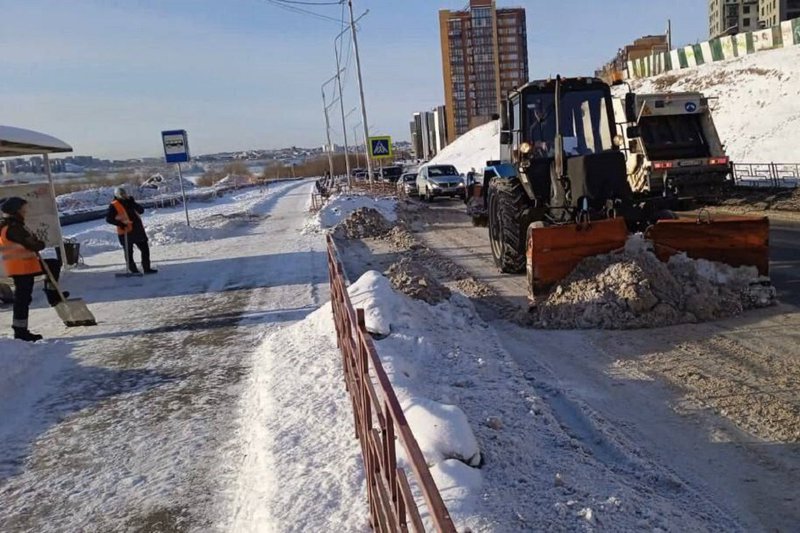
pixel 360 87
pixel 341 100
pixel 327 122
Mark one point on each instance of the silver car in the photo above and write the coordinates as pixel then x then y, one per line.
pixel 407 184
pixel 439 180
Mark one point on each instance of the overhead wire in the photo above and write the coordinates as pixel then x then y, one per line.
pixel 299 10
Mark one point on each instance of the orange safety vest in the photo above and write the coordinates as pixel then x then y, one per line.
pixel 17 260
pixel 122 216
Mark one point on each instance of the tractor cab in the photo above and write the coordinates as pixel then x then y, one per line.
pixel 561 136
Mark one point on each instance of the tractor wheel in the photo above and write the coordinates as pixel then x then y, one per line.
pixel 509 214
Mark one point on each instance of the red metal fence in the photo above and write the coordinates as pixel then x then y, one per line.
pixel 379 420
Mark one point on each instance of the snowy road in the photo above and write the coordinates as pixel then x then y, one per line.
pixel 136 430
pixel 714 403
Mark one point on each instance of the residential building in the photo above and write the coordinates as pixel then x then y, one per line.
pixel 646 46
pixel 773 12
pixel 428 132
pixel 728 17
pixel 484 57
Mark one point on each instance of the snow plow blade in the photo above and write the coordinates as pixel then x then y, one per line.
pixel 733 240
pixel 553 252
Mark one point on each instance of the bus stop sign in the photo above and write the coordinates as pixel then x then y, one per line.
pixel 176 146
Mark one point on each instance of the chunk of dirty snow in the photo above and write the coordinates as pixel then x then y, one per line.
pixel 373 293
pixel 442 431
pixel 455 480
pixel 339 207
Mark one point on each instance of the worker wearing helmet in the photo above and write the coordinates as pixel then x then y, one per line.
pixel 19 249
pixel 124 213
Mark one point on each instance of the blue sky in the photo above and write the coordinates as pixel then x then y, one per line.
pixel 108 75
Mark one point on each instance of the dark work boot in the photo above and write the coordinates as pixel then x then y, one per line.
pixel 150 271
pixel 23 334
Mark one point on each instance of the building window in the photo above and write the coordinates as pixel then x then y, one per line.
pixel 746 22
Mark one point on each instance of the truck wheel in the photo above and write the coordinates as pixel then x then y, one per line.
pixel 509 215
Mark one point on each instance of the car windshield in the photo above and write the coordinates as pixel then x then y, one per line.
pixel 444 170
pixel 584 121
pixel 409 177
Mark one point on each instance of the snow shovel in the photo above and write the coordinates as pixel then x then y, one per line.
pixel 127 273
pixel 72 312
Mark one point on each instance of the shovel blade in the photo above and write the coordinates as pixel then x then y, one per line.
pixel 553 252
pixel 75 313
pixel 733 240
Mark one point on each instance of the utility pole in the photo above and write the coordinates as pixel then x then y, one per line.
pixel 360 87
pixel 669 35
pixel 327 122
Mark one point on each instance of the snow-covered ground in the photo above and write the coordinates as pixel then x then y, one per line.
pixel 339 207
pixel 144 421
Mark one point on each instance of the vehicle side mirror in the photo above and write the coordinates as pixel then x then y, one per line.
pixel 505 137
pixel 633 132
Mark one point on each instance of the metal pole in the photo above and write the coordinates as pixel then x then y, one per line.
pixel 327 132
pixel 355 137
pixel 341 108
pixel 669 34
pixel 183 195
pixel 360 87
pixel 64 262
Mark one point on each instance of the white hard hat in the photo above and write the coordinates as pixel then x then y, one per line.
pixel 120 192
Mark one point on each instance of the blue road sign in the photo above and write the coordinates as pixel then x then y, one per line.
pixel 691 107
pixel 176 146
pixel 380 147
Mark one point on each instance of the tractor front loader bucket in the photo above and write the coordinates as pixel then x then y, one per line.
pixel 554 251
pixel 733 240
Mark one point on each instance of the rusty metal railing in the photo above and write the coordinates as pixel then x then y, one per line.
pixel 379 421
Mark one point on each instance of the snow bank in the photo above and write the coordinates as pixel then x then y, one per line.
pixel 757 106
pixel 340 206
pixel 634 289
pixel 414 364
pixel 473 149
pixel 302 466
pixel 442 432
pixel 102 196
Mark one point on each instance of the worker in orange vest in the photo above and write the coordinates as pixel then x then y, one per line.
pixel 19 249
pixel 124 213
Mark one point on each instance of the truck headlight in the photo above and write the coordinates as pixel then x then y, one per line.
pixel 525 148
pixel 618 141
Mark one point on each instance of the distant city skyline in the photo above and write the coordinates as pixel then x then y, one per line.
pixel 107 77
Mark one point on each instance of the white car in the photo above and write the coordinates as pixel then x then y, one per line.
pixel 408 184
pixel 439 180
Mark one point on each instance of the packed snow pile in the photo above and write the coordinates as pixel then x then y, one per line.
pixel 235 180
pixel 451 437
pixel 634 289
pixel 212 227
pixel 756 104
pixel 412 279
pixel 362 223
pixel 163 185
pixel 473 149
pixel 339 207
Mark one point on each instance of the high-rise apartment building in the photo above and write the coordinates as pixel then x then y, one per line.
pixel 773 12
pixel 484 56
pixel 726 17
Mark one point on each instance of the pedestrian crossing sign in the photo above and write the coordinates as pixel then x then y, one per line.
pixel 380 147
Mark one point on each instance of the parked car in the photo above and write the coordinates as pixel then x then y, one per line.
pixel 407 184
pixel 439 180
